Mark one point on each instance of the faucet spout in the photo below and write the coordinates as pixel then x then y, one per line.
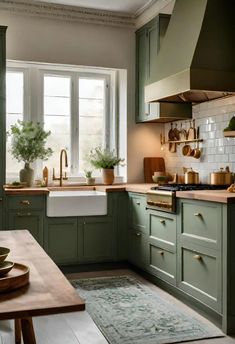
pixel 61 177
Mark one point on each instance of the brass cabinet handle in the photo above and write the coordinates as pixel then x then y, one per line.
pixel 198 214
pixel 138 234
pixel 197 256
pixel 25 202
pixel 163 222
pixel 161 253
pixel 137 203
pixel 23 214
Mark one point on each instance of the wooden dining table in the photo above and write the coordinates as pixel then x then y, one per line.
pixel 48 291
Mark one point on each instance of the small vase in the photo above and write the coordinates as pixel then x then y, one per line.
pixel 108 176
pixel 90 181
pixel 27 175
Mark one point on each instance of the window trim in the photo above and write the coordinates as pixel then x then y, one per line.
pixel 33 86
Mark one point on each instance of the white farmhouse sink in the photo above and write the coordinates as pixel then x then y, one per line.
pixel 76 203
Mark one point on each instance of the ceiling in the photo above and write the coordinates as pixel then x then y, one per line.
pixel 126 6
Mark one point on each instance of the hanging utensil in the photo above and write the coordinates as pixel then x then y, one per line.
pixel 192 131
pixel 176 133
pixel 171 135
pixel 183 133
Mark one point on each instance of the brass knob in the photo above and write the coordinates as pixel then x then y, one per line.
pixel 138 234
pixel 137 203
pixel 197 256
pixel 198 214
pixel 163 222
pixel 161 253
pixel 23 214
pixel 25 202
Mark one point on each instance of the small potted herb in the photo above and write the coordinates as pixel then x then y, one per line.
pixel 105 160
pixel 28 144
pixel 89 179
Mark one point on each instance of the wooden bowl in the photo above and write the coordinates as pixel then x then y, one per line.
pixel 4 251
pixel 5 267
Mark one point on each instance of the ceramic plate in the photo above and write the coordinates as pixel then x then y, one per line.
pixel 4 251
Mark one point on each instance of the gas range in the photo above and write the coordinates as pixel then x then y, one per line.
pixel 189 187
pixel 163 197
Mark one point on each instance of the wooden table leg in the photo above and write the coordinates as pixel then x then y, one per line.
pixel 17 331
pixel 28 331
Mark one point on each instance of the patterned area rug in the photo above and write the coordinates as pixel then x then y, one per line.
pixel 127 312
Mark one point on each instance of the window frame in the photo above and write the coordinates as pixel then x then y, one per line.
pixel 33 99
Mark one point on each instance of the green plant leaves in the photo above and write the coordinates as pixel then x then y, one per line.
pixel 104 158
pixel 28 141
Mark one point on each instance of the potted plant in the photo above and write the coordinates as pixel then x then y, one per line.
pixel 28 144
pixel 106 160
pixel 89 179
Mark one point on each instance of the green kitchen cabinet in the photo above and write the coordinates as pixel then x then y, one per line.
pixel 162 245
pixel 137 232
pixel 99 239
pixel 138 249
pixel 62 240
pixel 200 229
pixel 148 42
pixel 26 212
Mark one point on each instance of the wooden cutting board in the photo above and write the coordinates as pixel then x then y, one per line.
pixel 151 165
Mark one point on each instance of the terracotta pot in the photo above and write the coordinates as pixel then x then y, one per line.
pixel 108 176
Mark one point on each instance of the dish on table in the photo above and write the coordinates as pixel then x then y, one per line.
pixel 4 251
pixel 16 185
pixel 5 267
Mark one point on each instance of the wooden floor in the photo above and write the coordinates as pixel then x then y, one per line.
pixel 78 328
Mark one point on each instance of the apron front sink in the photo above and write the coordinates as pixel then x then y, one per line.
pixel 76 203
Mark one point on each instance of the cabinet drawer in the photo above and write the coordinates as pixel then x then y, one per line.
pixel 202 222
pixel 138 212
pixel 201 276
pixel 162 228
pixel 25 202
pixel 163 264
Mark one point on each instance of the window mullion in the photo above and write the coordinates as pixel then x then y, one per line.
pixel 74 124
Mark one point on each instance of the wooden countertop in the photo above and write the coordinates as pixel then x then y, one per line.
pixel 221 196
pixel 141 188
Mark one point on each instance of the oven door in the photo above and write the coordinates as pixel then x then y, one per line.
pixel 161 200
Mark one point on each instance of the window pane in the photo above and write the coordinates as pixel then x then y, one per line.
pixel 91 117
pixel 14 111
pixel 57 117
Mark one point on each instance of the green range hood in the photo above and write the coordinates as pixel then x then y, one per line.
pixel 196 62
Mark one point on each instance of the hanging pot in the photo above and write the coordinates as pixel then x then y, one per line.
pixel 27 175
pixel 108 176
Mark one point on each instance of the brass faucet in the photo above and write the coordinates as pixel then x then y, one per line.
pixel 61 177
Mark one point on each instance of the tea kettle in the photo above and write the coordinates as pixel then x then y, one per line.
pixel 190 176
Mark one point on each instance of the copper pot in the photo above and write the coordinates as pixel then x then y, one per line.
pixel 222 177
pixel 191 177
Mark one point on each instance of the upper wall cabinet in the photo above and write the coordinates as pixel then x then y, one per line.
pixel 148 43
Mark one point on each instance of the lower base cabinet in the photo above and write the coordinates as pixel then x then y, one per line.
pixel 138 249
pixel 74 240
pixel 62 239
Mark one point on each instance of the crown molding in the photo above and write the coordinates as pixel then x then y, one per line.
pixel 68 13
pixel 145 7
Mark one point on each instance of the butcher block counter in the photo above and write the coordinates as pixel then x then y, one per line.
pixel 221 196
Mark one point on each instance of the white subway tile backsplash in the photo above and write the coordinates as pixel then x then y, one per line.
pixel 211 117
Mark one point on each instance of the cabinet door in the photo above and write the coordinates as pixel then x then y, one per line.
pixel 99 239
pixel 138 249
pixel 142 108
pixel 137 212
pixel 31 220
pixel 61 239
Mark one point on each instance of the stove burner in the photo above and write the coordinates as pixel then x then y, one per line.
pixel 189 187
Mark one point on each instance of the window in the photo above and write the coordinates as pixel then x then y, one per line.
pixel 74 104
pixel 14 111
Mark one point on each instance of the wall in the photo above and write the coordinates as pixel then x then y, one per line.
pixel 56 41
pixel 217 151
